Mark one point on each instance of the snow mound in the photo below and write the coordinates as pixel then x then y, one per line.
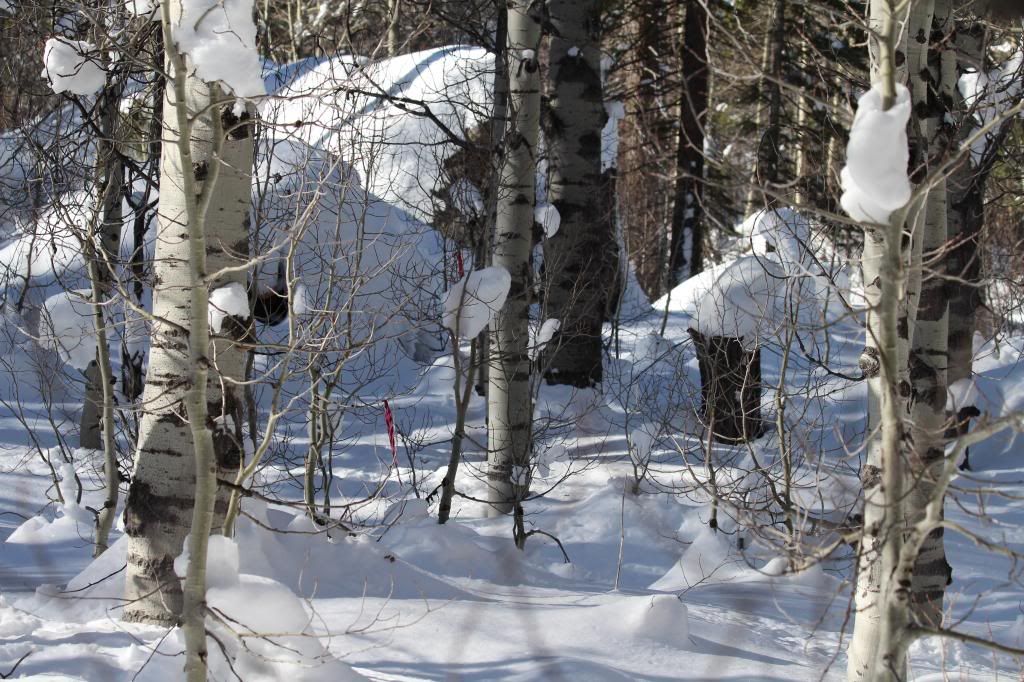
pixel 71 66
pixel 543 336
pixel 741 300
pixel 708 559
pixel 392 120
pixel 475 300
pixel 875 181
pixel 548 217
pixel 661 618
pixel 67 327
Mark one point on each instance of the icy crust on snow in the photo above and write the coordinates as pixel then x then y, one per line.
pixel 475 300
pixel 67 327
pixel 391 120
pixel 230 300
pixel 72 66
pixel 219 37
pixel 874 180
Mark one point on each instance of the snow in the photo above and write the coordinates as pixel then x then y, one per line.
pixel 7 6
pixel 228 301
pixel 348 107
pixel 219 37
pixel 738 300
pixel 990 94
pixel 402 597
pixel 474 301
pixel 549 219
pixel 147 9
pixel 874 180
pixel 544 335
pixel 68 327
pixel 72 66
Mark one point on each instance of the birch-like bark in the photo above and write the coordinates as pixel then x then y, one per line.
pixel 965 219
pixel 929 352
pixel 878 647
pixel 577 261
pixel 189 429
pixel 510 406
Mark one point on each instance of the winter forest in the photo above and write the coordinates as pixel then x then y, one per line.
pixel 511 340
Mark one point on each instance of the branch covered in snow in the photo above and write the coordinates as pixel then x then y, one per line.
pixel 474 302
pixel 220 39
pixel 875 181
pixel 71 66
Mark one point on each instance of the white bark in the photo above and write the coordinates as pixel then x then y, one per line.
pixel 190 425
pixel 510 408
pixel 929 353
pixel 878 647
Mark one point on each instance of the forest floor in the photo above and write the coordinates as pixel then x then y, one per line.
pixel 650 591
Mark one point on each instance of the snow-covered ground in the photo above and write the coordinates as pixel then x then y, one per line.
pixel 405 598
pixel 640 586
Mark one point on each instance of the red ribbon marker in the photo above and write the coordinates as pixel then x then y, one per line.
pixel 458 261
pixel 389 419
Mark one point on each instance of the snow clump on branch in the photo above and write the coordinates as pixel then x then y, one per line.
pixel 474 302
pixel 875 181
pixel 227 300
pixel 220 39
pixel 71 66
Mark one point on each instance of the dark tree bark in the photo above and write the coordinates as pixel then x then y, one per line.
pixel 578 259
pixel 730 388
pixel 685 252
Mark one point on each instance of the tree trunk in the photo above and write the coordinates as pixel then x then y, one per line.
pixel 576 259
pixel 191 403
pixel 730 388
pixel 102 264
pixel 929 356
pixel 646 137
pixel 510 406
pixel 965 218
pixel 499 123
pixel 878 648
pixel 768 172
pixel 686 250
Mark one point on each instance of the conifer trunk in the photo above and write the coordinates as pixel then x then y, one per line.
pixel 686 249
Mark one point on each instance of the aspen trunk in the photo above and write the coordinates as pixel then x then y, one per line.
pixel 188 433
pixel 510 406
pixel 929 353
pixel 101 264
pixel 878 647
pixel 577 264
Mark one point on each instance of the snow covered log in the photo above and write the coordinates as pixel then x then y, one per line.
pixel 730 387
